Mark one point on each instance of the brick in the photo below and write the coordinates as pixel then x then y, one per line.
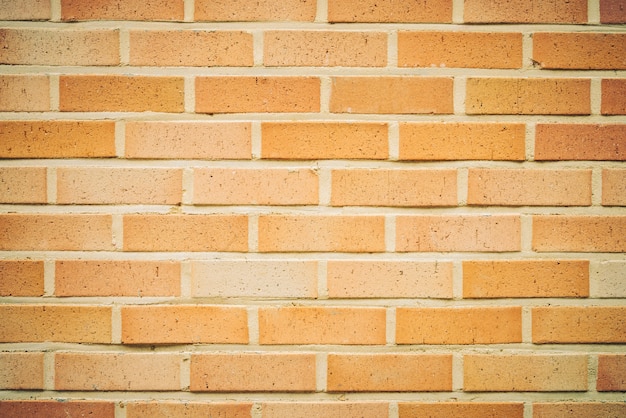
pixel 55 232
pixel 58 323
pixel 579 233
pixel 400 95
pixel 194 48
pixel 324 49
pixel 462 141
pixel 528 96
pixel 529 187
pixel 266 186
pixel 524 373
pixel 525 11
pixel 150 232
pixel 188 140
pixel 608 279
pixel 467 325
pixel 116 278
pixel 579 324
pixel 165 409
pixel 297 233
pixel 378 187
pixel 105 185
pixel 120 93
pixel 525 278
pixel 24 93
pixel 99 371
pixel 459 49
pixel 612 11
pixel 613 187
pixel 460 409
pixel 579 409
pixel 184 324
pixel 56 409
pixel 585 51
pixel 324 140
pixel 24 9
pixel 389 279
pixel 23 185
pixel 458 233
pixel 325 409
pixel 322 325
pixel 20 371
pixel 253 372
pixel 580 142
pixel 611 373
pixel 613 97
pixel 57 139
pixel 122 10
pixel 262 10
pixel 21 278
pixel 402 372
pixel 413 11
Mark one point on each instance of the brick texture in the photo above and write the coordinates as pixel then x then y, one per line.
pixel 578 409
pixel 614 187
pixel 325 409
pixel 588 51
pixel 612 11
pixel 571 324
pixel 414 11
pixel 56 409
pixel 21 370
pixel 611 373
pixel 525 11
pixel 263 10
pixel 122 10
pixel 23 185
pixel 188 409
pixel 580 142
pixel 24 93
pixel 579 233
pixel 465 409
pixel 24 10
pixel 21 278
pixel 613 93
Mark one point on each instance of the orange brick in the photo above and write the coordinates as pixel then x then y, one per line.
pixel 165 409
pixel 299 233
pixel 378 187
pixel 611 373
pixel 612 11
pixel 462 141
pixel 188 140
pixel 104 185
pixel 116 278
pixel 120 93
pixel 402 372
pixel 461 409
pixel 266 186
pixel 57 139
pixel 185 232
pixel 56 409
pixel 528 96
pixel 529 187
pixel 614 187
pixel 324 140
pixel 23 185
pixel 253 372
pixel 525 278
pixel 21 278
pixel 325 409
pixel 195 48
pixel 460 49
pixel 613 97
pixel 579 233
pixel 404 95
pixel 580 142
pixel 586 51
pixel 413 11
pixel 93 371
pixel 59 323
pixel 467 325
pixel 458 233
pixel 324 49
pixel 122 10
pixel 24 9
pixel 577 324
pixel 322 325
pixel 261 10
pixel 579 409
pixel 19 371
pixel 525 11
pixel 24 93
pixel 524 373
pixel 55 232
pixel 389 279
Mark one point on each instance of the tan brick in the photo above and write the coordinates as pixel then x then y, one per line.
pixel 413 11
pixel 23 185
pixel 120 93
pixel 525 11
pixel 529 187
pixel 116 278
pixel 325 409
pixel 24 93
pixel 56 409
pixel 188 140
pixel 462 141
pixel 185 232
pixel 304 233
pixel 525 278
pixel 165 409
pixel 263 186
pixel 378 187
pixel 579 324
pixel 261 10
pixel 458 233
pixel 107 185
pixel 611 373
pixel 253 372
pixel 580 142
pixel 403 95
pixel 528 96
pixel 614 187
pixel 579 233
pixel 19 371
pixel 24 9
pixel 579 409
pixel 21 278
pixel 524 373
pixel 612 11
pixel 59 323
pixel 195 48
pixel 586 51
pixel 402 372
pixel 389 279
pixel 324 49
pixel 55 232
pixel 122 10
pixel 608 279
pixel 613 97
pixel 57 139
pixel 97 371
pixel 324 140
pixel 461 409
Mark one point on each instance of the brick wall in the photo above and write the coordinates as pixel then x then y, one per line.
pixel 301 208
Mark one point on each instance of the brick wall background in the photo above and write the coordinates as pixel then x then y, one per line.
pixel 301 208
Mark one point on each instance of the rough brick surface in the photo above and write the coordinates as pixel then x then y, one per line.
pixel 56 409
pixel 580 142
pixel 464 409
pixel 572 324
pixel 324 409
pixel 525 11
pixel 24 93
pixel 612 11
pixel 263 10
pixel 579 233
pixel 23 185
pixel 614 187
pixel 613 96
pixel 609 279
pixel 578 409
pixel 588 51
pixel 122 10
pixel 160 409
pixel 21 278
pixel 413 11
pixel 611 373
pixel 20 370
pixel 24 10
